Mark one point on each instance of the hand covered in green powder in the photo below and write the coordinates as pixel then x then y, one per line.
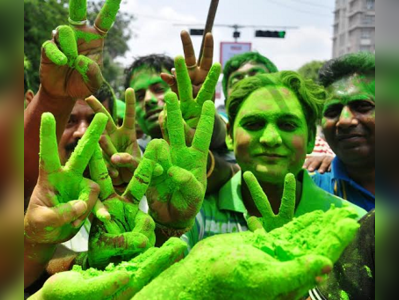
pixel 282 264
pixel 269 220
pixel 63 198
pixel 70 61
pixel 115 282
pixel 197 73
pixel 175 197
pixel 119 144
pixel 130 231
pixel 191 108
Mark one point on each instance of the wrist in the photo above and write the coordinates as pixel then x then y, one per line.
pixel 37 252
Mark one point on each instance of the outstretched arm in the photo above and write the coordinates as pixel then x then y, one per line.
pixel 69 70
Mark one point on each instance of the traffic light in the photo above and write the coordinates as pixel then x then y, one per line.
pixel 270 34
pixel 197 31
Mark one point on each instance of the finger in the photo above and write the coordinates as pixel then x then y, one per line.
pixel 144 224
pixel 170 81
pixel 108 284
pixel 107 15
pixel 254 224
pixel 49 159
pixel 107 146
pixel 325 165
pixel 258 196
pixel 127 244
pixel 129 121
pixel 67 41
pixel 78 10
pixel 207 58
pixel 203 134
pixel 183 80
pixel 89 192
pixel 69 212
pixel 141 179
pixel 152 265
pixel 101 212
pixel 287 207
pixel 188 48
pixel 87 144
pixel 159 152
pixel 125 160
pixel 90 72
pixel 208 88
pixel 175 121
pixel 314 164
pixel 54 54
pixel 337 238
pixel 97 107
pixel 99 174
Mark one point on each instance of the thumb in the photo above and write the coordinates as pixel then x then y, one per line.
pixel 90 71
pixel 107 285
pixel 68 212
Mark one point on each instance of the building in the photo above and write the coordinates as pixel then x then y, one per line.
pixel 354 26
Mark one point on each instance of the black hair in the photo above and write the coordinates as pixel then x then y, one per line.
pixel 156 62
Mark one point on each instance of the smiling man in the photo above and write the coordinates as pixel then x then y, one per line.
pixel 272 126
pixel 349 127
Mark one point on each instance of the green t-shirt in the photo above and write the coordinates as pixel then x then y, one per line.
pixel 225 212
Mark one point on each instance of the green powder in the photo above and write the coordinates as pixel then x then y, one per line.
pixel 368 270
pixel 82 65
pixel 344 295
pixel 78 10
pixel 87 36
pixel 108 14
pixel 54 54
pixel 68 43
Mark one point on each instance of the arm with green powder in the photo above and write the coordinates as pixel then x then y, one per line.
pixel 69 70
pixel 281 265
pixel 176 196
pixel 119 144
pixel 129 232
pixel 116 282
pixel 62 198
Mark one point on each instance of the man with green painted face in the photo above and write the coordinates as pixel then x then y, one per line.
pixel 349 127
pixel 272 126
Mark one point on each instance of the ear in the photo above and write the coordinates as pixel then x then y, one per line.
pixel 229 137
pixel 29 96
pixel 311 140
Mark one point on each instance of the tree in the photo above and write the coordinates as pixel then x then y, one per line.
pixel 311 70
pixel 43 16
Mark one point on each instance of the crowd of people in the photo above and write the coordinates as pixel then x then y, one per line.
pixel 165 196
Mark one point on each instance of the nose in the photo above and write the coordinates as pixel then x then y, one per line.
pixel 150 99
pixel 347 118
pixel 80 130
pixel 271 137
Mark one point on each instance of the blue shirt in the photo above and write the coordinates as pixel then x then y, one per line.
pixel 337 182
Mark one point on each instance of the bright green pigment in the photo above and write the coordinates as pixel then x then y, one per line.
pixel 368 270
pixel 54 54
pixel 183 184
pixel 257 265
pixel 344 295
pixel 68 43
pixel 82 65
pixel 78 10
pixel 286 213
pixel 108 14
pixel 87 36
pixel 92 284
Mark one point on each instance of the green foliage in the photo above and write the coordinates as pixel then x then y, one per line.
pixel 41 17
pixel 311 70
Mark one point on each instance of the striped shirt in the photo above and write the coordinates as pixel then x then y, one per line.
pixel 225 212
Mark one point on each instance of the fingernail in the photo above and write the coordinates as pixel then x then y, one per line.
pixel 77 223
pixel 116 159
pixel 103 214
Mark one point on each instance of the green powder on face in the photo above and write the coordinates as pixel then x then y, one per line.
pixel 108 13
pixel 344 296
pixel 77 10
pixel 82 65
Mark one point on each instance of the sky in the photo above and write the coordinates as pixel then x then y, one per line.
pixel 158 23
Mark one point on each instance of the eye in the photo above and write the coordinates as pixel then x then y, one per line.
pixel 362 106
pixel 158 89
pixel 334 111
pixel 140 96
pixel 253 125
pixel 71 121
pixel 288 126
pixel 236 79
